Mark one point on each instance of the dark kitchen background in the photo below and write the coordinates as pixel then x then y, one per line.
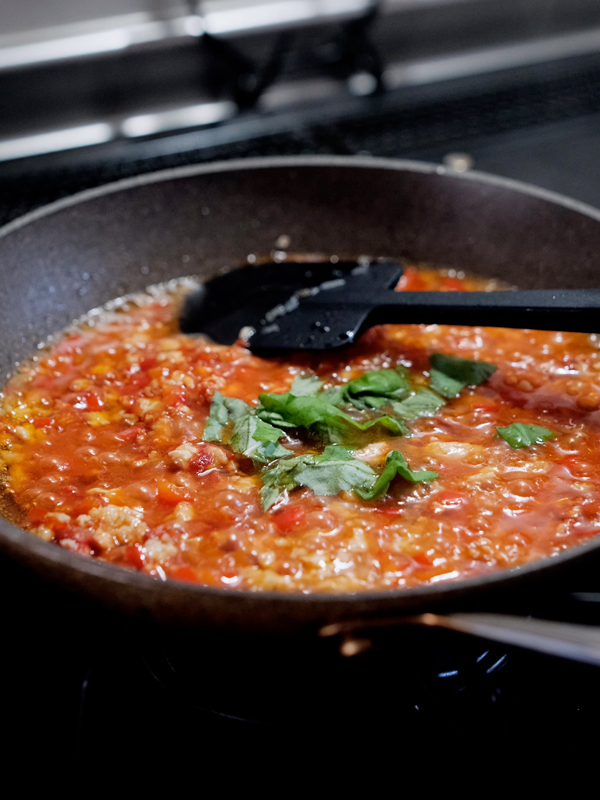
pixel 92 91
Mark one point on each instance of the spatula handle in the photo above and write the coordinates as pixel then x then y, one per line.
pixel 561 309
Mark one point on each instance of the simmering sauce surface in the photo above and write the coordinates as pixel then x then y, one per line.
pixel 102 444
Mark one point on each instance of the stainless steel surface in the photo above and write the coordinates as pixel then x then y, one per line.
pixel 565 640
pixel 577 642
pixel 208 61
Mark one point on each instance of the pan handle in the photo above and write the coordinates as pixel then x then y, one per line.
pixel 575 642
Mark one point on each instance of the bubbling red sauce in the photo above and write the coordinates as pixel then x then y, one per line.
pixel 101 440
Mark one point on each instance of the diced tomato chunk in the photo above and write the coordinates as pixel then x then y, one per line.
pixel 393 562
pixel 390 511
pixel 70 531
pixel 148 362
pixel 290 518
pixel 184 574
pixel 129 434
pixel 177 397
pixel 88 400
pixel 88 502
pixel 170 494
pixel 422 559
pixel 136 383
pixel 202 461
pixel 43 422
pixel 135 556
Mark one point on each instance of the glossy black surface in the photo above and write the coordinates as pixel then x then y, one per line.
pixel 86 694
pixel 336 317
pixel 259 294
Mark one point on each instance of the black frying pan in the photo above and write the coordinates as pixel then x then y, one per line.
pixel 76 254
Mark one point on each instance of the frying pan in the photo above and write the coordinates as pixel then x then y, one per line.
pixel 58 262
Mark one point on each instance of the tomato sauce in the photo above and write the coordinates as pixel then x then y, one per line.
pixel 101 438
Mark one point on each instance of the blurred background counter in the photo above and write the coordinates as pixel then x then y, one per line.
pixel 94 91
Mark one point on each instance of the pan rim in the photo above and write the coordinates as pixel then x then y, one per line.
pixel 19 539
pixel 271 162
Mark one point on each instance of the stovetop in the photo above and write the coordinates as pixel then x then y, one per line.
pixel 86 689
pixel 88 686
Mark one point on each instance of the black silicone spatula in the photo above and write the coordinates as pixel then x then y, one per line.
pixel 294 306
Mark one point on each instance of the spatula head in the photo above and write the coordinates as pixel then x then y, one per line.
pixel 272 304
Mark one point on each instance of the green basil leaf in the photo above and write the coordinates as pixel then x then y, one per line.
pixel 392 424
pixel 217 419
pixel 264 432
pixel 304 411
pixel 269 495
pixel 251 436
pixel 333 477
pixel 444 384
pixel 257 439
pixel 460 370
pixel 335 452
pixel 273 418
pixel 322 418
pixel 374 389
pixel 395 464
pixel 379 382
pixel 323 476
pixel 237 408
pixel 222 411
pixel 520 435
pixel 278 479
pixel 267 452
pixel 423 403
pixel 335 396
pixel 305 385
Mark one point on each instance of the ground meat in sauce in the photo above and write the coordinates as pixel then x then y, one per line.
pixel 102 442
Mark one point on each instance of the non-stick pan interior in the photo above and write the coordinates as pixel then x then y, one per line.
pixel 61 264
pixel 57 265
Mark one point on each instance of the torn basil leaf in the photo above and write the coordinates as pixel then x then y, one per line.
pixel 222 411
pixel 217 419
pixel 385 387
pixel 305 385
pixel 374 389
pixel 335 396
pixel 336 471
pixel 310 412
pixel 335 452
pixel 395 464
pixel 323 475
pixel 273 418
pixel 320 417
pixel 392 424
pixel 450 374
pixel 384 382
pixel 257 440
pixel 444 384
pixel 520 435
pixel 251 436
pixel 423 403
pixel 333 477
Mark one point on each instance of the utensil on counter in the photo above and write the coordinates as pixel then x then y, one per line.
pixel 323 306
